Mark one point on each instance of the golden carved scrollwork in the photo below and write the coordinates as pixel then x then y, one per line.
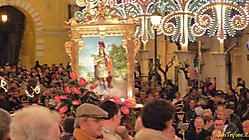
pixel 136 46
pixel 72 22
pixel 75 35
pixel 68 48
pixel 72 48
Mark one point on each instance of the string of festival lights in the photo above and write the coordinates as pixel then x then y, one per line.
pixel 183 20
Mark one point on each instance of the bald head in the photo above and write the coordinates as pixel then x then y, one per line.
pixel 222 114
pixel 245 126
pixel 4 124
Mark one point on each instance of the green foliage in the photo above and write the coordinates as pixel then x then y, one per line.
pixel 85 72
pixel 119 60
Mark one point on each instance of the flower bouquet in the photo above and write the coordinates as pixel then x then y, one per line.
pixel 77 92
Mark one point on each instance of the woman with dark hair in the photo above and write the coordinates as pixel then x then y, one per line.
pixel 68 126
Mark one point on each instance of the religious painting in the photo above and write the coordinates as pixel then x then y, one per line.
pixel 103 61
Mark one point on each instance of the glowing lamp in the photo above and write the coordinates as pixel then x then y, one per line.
pixel 155 20
pixel 4 17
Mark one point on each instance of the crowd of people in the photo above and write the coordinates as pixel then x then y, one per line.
pixel 201 113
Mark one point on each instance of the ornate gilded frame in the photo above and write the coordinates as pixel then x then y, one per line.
pixel 102 28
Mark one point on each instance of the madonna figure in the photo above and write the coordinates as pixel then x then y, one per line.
pixel 103 68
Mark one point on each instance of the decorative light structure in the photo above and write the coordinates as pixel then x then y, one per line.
pixel 140 10
pixel 183 20
pixel 3 84
pixel 146 8
pixel 221 18
pixel 179 18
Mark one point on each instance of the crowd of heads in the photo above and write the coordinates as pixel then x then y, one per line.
pixel 22 81
pixel 201 107
pixel 199 113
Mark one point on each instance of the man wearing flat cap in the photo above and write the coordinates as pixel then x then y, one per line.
pixel 89 122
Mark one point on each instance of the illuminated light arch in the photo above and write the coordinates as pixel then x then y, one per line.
pixel 180 20
pixel 184 20
pixel 222 15
pixel 139 9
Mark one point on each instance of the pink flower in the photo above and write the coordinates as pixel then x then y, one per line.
pixel 73 75
pixel 63 97
pixel 100 99
pixel 114 98
pixel 75 90
pixel 93 86
pixel 58 107
pixel 82 82
pixel 109 97
pixel 63 109
pixel 67 89
pixel 57 99
pixel 76 102
pixel 117 101
pixel 84 93
pixel 125 110
pixel 128 103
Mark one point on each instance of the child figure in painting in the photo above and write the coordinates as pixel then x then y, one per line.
pixel 103 68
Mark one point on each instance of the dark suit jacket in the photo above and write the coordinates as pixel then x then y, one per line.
pixel 231 128
pixel 236 120
pixel 192 135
